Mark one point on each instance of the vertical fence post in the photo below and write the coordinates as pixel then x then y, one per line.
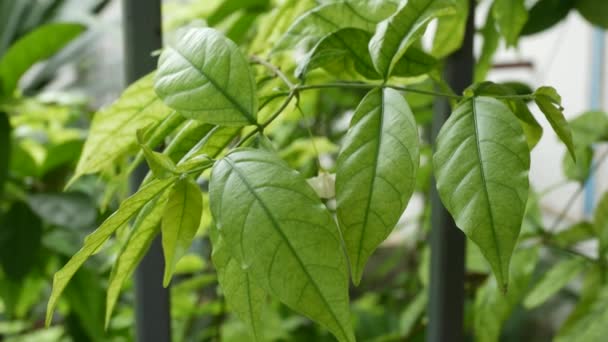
pixel 142 28
pixel 446 302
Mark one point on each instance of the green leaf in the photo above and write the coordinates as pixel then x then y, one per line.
pixel 317 23
pixel 376 173
pixel 20 241
pixel 553 280
pixel 343 50
pixel 243 296
pixel 491 40
pixel 414 62
pixel 95 240
pixel 600 224
pixel 161 165
pixel 206 77
pixel 594 11
pixel 145 228
pixel 113 129
pixel 279 231
pixel 450 30
pixel 593 325
pixel 481 165
pixel 5 149
pixel 589 128
pixel 492 307
pixel 545 14
pixel 412 313
pixel 187 137
pixel 36 46
pixel 180 222
pixel 546 98
pixel 510 16
pixel 580 169
pixel 578 232
pixel 397 33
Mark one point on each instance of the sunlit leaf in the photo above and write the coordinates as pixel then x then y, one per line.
pixel 376 173
pixel 510 16
pixel 450 30
pixel 206 77
pixel 481 165
pixel 278 229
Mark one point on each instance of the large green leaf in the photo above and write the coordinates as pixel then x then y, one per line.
pixel 37 45
pixel 510 16
pixel 113 129
pixel 397 33
pixel 547 99
pixel 594 11
pixel 243 296
pixel 95 240
pixel 278 229
pixel 206 77
pixel 491 40
pixel 145 228
pixel 180 222
pixel 376 173
pixel 315 24
pixel 5 148
pixel 552 281
pixel 450 30
pixel 481 165
pixel 545 14
pixel 493 307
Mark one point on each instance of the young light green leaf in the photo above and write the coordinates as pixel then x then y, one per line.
pixel 552 281
pixel 157 136
pixel 510 16
pixel 206 77
pixel 546 98
pixel 317 23
pixel 161 165
pixel 397 33
pixel 181 219
pixel 95 240
pixel 376 173
pixel 145 228
pixel 493 307
pixel 281 233
pixel 113 129
pixel 37 45
pixel 450 30
pixel 600 224
pixel 187 137
pixel 198 162
pixel 594 11
pixel 491 39
pixel 243 296
pixel 481 165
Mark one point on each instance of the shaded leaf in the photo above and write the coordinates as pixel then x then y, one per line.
pixel 510 16
pixel 113 129
pixel 5 149
pixel 278 229
pixel 206 77
pixel 317 23
pixel 397 33
pixel 594 11
pixel 592 325
pixel 545 14
pixel 37 45
pixel 481 165
pixel 243 296
pixel 574 234
pixel 491 39
pixel 546 98
pixel 95 240
pixel 71 209
pixel 20 241
pixel 376 173
pixel 553 280
pixel 180 222
pixel 600 224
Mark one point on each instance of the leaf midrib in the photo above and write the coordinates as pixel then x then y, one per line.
pixel 285 240
pixel 225 94
pixel 485 188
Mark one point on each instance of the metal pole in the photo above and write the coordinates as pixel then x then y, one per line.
pixel 446 302
pixel 143 35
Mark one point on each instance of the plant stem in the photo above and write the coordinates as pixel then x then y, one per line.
pixel 354 85
pixel 578 191
pixel 274 69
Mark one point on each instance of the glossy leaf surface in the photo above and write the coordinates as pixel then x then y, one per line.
pixel 279 230
pixel 481 165
pixel 205 77
pixel 376 173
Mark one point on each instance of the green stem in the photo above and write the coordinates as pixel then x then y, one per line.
pixel 274 69
pixel 353 85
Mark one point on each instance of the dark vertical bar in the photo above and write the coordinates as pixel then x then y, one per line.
pixel 143 35
pixel 446 302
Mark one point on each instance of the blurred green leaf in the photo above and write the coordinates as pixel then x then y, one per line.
pixel 71 209
pixel 545 14
pixel 450 30
pixel 510 16
pixel 20 240
pixel 553 280
pixel 594 11
pixel 5 149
